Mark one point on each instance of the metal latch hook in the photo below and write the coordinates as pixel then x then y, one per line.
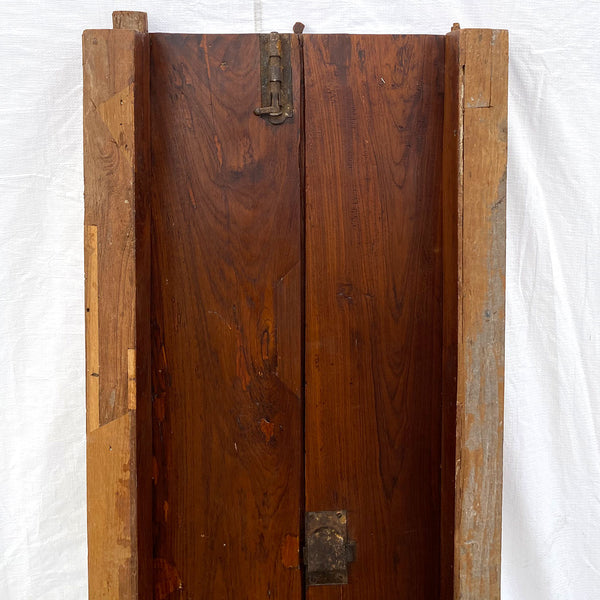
pixel 276 78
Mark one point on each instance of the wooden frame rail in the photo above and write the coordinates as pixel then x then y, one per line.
pixel 474 233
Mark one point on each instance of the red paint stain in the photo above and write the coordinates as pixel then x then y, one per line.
pixel 268 429
pixel 289 551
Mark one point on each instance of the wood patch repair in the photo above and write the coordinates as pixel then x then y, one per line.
pixel 92 342
pixel 131 379
pixel 111 531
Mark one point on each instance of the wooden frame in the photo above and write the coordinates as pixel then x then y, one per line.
pixel 117 265
pixel 474 232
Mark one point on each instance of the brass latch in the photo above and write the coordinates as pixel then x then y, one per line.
pixel 275 78
pixel 327 552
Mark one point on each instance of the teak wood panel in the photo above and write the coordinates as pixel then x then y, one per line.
pixel 226 326
pixel 374 117
pixel 214 204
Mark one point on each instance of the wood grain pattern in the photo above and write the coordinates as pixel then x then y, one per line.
pixel 226 326
pixel 116 112
pixel 374 111
pixel 111 177
pixel 474 262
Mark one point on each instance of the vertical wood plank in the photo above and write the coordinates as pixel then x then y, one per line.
pixel 91 328
pixel 226 317
pixel 116 164
pixel 474 265
pixel 374 111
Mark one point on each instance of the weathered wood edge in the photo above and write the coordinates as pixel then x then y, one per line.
pixel 130 19
pixel 474 235
pixel 117 263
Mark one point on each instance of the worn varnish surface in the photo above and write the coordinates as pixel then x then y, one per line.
pixel 117 268
pixel 474 246
pixel 374 108
pixel 226 327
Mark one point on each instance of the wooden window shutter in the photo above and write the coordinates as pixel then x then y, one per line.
pixel 295 329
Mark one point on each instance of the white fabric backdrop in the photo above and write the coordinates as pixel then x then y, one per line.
pixel 551 532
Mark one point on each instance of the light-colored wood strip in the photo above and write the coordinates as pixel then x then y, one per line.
pixel 91 326
pixel 131 379
pixel 479 223
pixel 130 19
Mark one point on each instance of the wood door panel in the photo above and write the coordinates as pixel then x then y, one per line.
pixel 374 118
pixel 226 321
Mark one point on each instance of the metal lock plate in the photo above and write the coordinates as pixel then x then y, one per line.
pixel 327 551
